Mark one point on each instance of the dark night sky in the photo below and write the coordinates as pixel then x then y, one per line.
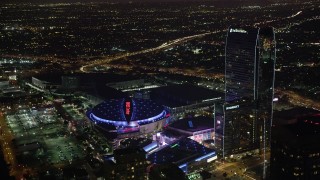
pixel 73 1
pixel 85 1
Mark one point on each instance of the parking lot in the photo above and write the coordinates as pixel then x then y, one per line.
pixel 57 146
pixel 62 150
pixel 73 112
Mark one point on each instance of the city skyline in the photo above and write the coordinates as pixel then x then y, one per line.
pixel 195 85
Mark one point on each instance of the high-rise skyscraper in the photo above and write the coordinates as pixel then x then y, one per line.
pixel 249 84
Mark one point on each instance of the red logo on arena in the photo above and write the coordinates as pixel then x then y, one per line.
pixel 128 108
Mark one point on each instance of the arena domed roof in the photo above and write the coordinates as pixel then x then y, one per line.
pixel 121 112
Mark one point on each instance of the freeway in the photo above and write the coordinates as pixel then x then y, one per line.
pixel 105 61
pixel 298 100
pixel 275 20
pixel 163 46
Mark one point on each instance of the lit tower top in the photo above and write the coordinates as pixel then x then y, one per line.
pixel 241 55
pixel 249 63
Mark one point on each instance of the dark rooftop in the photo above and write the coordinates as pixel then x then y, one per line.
pixel 128 151
pixel 50 78
pixel 91 83
pixel 194 124
pixel 183 94
pixel 103 78
pixel 184 150
pixel 139 142
pixel 305 133
pixel 105 92
pixel 166 171
pixel 290 116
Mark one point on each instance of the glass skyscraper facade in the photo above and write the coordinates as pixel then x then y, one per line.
pixel 249 84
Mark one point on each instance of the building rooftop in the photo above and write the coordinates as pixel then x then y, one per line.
pixel 128 151
pixel 50 78
pixel 166 171
pixel 135 142
pixel 304 134
pixel 194 124
pixel 86 78
pixel 104 92
pixel 183 94
pixel 291 115
pixel 92 83
pixel 183 151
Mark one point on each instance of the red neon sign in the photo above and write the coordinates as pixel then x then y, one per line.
pixel 128 106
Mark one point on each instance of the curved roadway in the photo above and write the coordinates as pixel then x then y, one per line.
pixel 161 47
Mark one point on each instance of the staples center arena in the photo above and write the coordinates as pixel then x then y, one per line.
pixel 128 117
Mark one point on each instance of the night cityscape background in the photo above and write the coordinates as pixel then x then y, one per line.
pixel 170 89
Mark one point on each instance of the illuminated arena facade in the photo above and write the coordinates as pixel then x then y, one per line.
pixel 124 116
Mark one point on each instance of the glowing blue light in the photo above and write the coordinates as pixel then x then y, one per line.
pixel 151 146
pixel 119 123
pixel 206 156
pixel 183 165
